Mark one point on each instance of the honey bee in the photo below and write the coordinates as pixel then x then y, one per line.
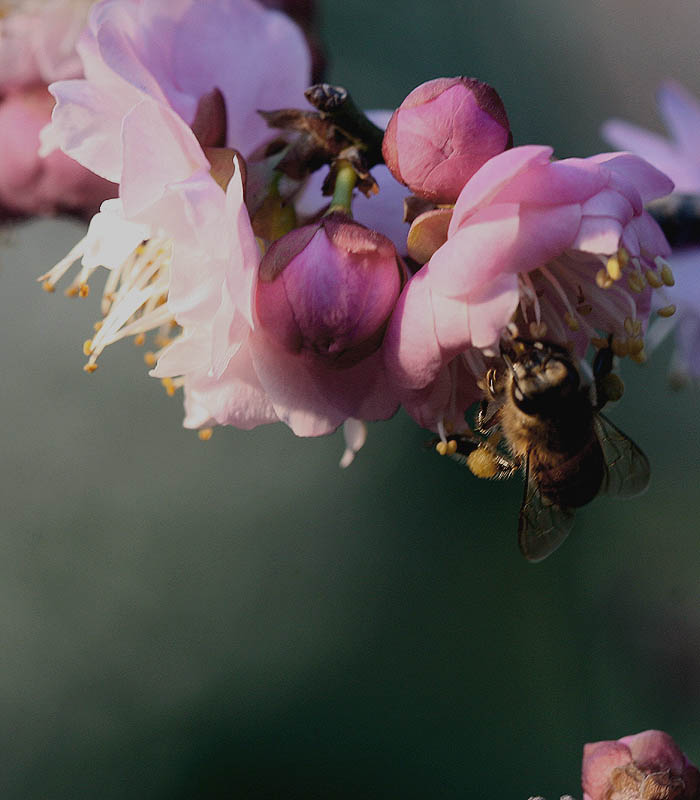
pixel 539 417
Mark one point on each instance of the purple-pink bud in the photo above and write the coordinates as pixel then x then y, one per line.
pixel 327 290
pixel 645 766
pixel 442 133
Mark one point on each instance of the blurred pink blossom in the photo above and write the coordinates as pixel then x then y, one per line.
pixel 562 247
pixel 679 158
pixel 37 46
pixel 645 766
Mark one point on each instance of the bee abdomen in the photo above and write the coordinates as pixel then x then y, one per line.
pixel 567 480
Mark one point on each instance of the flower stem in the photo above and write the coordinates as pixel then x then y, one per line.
pixel 345 180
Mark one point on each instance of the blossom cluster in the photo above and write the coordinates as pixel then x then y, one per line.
pixel 296 263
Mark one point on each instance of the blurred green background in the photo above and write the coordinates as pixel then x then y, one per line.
pixel 242 619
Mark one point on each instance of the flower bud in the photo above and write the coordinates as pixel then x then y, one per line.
pixel 442 133
pixel 646 766
pixel 327 290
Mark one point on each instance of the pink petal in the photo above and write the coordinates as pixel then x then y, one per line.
pixel 599 760
pixel 648 181
pixel 495 173
pixel 159 149
pixel 654 751
pixel 681 112
pixel 683 170
pixel 411 349
pixel 559 182
pixel 314 399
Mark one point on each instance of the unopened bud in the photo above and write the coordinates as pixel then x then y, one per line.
pixel 442 133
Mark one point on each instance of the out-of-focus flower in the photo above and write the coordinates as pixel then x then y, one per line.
pixel 442 133
pixel 645 766
pixel 305 14
pixel 563 248
pixel 679 158
pixel 37 46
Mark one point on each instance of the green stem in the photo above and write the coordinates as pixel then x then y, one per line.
pixel 345 180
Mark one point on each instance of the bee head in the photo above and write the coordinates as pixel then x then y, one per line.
pixel 541 376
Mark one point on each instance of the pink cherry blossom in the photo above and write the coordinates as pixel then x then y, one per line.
pixel 679 157
pixel 560 247
pixel 645 766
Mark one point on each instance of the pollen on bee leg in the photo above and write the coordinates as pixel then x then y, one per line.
pixel 482 463
pixel 603 280
pixel 666 311
pixel 205 434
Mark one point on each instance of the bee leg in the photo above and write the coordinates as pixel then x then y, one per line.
pixel 484 421
pixel 487 462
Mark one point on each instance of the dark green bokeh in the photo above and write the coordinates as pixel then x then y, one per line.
pixel 242 619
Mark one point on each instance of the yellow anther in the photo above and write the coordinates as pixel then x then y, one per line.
pixel 150 359
pixel 47 286
pixel 140 250
pixel 538 330
pixel 482 463
pixel 205 434
pixel 451 447
pixel 640 357
pixel 667 311
pixel 623 257
pixel 614 268
pixel 635 345
pixel 441 448
pixel 162 341
pixel 173 323
pixel 71 291
pixel 584 309
pixel 629 326
pixel 667 275
pixel 620 346
pixel 603 280
pixel 83 290
pixel 140 339
pixel 637 282
pixel 653 279
pixel 97 325
pixel 87 347
pixel 571 321
pixel 169 386
pixel 599 343
pixel 90 367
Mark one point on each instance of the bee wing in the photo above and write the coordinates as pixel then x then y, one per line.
pixel 627 468
pixel 542 525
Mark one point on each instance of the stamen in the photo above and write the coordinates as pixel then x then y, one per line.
pixel 653 279
pixel 205 434
pixel 603 280
pixel 140 339
pixel 614 268
pixel 538 330
pixel 571 321
pixel 83 290
pixel 667 311
pixel 87 347
pixel 90 367
pixel 623 257
pixel 619 346
pixel 636 281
